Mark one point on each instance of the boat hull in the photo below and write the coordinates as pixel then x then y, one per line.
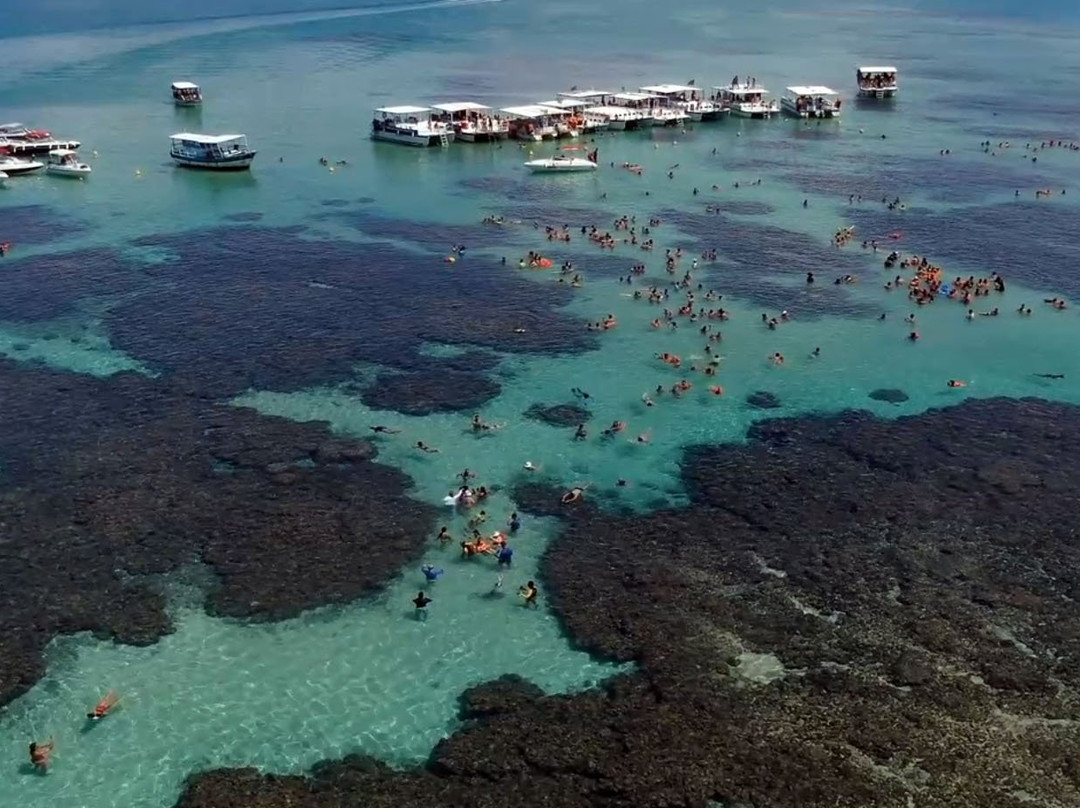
pixel 887 92
pixel 792 109
pixel 756 113
pixel 557 169
pixel 16 170
pixel 239 162
pixel 188 103
pixel 71 172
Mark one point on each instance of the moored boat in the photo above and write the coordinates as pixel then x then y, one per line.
pixel 211 152
pixel 563 164
pixel 14 166
pixel 537 122
pixel 876 81
pixel 746 100
pixel 18 139
pixel 410 126
pixel 186 94
pixel 688 98
pixel 473 123
pixel 66 163
pixel 811 101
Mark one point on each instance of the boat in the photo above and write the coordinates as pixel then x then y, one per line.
pixel 211 152
pixel 471 122
pixel 746 100
pixel 640 106
pixel 688 98
pixel 536 122
pixel 411 126
pixel 18 139
pixel 811 101
pixel 597 107
pixel 876 81
pixel 66 163
pixel 13 166
pixel 186 94
pixel 562 164
pixel 578 109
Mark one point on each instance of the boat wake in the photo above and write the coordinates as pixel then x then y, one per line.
pixel 25 57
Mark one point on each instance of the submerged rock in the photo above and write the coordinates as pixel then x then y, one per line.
pixel 890 395
pixel 430 391
pixel 558 414
pixel 763 400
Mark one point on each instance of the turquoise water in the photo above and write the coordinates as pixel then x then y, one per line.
pixel 368 677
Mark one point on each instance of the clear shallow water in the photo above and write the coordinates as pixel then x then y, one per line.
pixel 367 677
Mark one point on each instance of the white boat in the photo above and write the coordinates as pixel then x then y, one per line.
pixel 811 101
pixel 746 100
pixel 186 94
pixel 579 115
pixel 66 163
pixel 471 122
pixel 640 107
pixel 596 107
pixel 17 139
pixel 688 98
pixel 876 81
pixel 13 166
pixel 211 152
pixel 562 164
pixel 411 126
pixel 536 122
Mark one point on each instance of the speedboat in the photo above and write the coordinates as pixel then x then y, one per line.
pixel 561 163
pixel 66 163
pixel 213 152
pixel 13 166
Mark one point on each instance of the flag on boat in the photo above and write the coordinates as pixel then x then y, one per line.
pixel 592 155
pixel 691 83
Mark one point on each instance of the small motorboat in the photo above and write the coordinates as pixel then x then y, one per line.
pixel 13 166
pixel 66 163
pixel 561 163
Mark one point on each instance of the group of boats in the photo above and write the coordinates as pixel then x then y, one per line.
pixel 208 152
pixel 581 112
pixel 19 146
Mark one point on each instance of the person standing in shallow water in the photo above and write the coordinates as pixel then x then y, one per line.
pixel 421 602
pixel 530 593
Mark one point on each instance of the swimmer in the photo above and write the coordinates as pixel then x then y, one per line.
pixel 777 358
pixel 431 573
pixel 530 593
pixel 379 429
pixel 957 383
pixel 529 466
pixel 423 447
pixel 1050 375
pixel 580 433
pixel 644 437
pixel 716 390
pixel 814 354
pixel 575 494
pixel 648 402
pixel 41 754
pixel 421 602
pixel 621 483
pixel 108 701
pixel 444 536
pixel 579 393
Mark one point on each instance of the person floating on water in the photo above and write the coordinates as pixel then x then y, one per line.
pixel 530 594
pixel 957 383
pixel 421 602
pixel 108 701
pixel 423 447
pixel 41 754
pixel 379 429
pixel 575 494
pixel 1050 375
pixel 431 573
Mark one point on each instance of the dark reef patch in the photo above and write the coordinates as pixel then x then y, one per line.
pixel 36 224
pixel 890 395
pixel 105 481
pixel 244 216
pixel 241 307
pixel 433 390
pixel 558 414
pixel 763 400
pixel 901 581
pixel 742 207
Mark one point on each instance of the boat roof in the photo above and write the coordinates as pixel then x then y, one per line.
pixel 811 89
pixel 634 96
pixel 184 85
pixel 403 110
pixel 664 89
pixel 743 90
pixel 565 103
pixel 62 152
pixel 459 106
pixel 7 127
pixel 877 70
pixel 533 110
pixel 586 94
pixel 209 140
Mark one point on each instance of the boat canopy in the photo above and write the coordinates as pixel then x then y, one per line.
pixel 184 85
pixel 586 94
pixel 404 110
pixel 459 106
pixel 877 70
pixel 206 140
pixel 669 89
pixel 811 89
pixel 566 103
pixel 533 111
pixel 743 90
pixel 635 96
pixel 63 153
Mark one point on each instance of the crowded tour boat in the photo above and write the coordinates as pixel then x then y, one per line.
pixel 813 101
pixel 641 107
pixel 536 122
pixel 186 94
pixel 66 163
pixel 211 152
pixel 472 123
pixel 563 163
pixel 746 100
pixel 412 126
pixel 579 109
pixel 876 82
pixel 688 98
pixel 599 107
